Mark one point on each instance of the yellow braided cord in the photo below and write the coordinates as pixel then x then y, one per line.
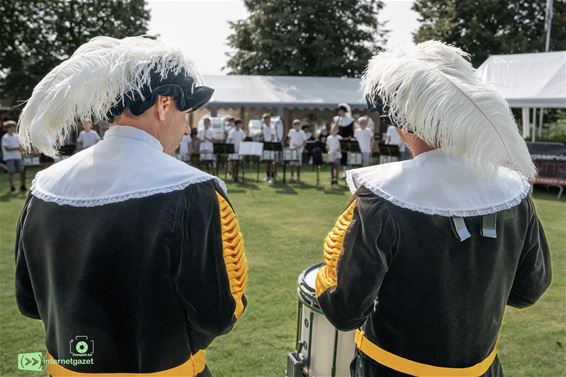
pixel 233 250
pixel 333 246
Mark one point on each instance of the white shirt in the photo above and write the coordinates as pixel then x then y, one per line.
pixel 343 121
pixel 235 137
pixel 393 136
pixel 88 138
pixel 333 143
pixel 205 145
pixel 269 133
pixel 184 147
pixel 364 136
pixel 11 141
pixel 297 138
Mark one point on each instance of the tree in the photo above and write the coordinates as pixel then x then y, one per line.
pixel 487 27
pixel 302 37
pixel 37 35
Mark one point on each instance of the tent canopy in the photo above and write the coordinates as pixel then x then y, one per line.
pixel 284 91
pixel 528 80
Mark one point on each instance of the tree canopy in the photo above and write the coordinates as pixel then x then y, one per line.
pixel 37 35
pixel 302 37
pixel 488 27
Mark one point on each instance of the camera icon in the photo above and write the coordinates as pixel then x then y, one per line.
pixel 81 346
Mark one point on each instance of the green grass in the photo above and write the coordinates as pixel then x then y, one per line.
pixel 283 228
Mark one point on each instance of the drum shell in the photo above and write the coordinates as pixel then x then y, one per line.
pixel 328 352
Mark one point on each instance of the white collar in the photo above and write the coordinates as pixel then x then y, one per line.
pixel 129 163
pixel 435 184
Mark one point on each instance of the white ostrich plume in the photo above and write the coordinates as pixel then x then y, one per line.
pixel 431 90
pixel 98 75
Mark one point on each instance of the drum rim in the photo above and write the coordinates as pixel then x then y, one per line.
pixel 306 292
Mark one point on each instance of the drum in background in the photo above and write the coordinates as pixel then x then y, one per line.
pixel 354 159
pixel 290 155
pixel 207 156
pixel 322 350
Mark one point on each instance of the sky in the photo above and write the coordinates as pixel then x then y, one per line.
pixel 201 27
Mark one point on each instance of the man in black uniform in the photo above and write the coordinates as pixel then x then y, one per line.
pixel 430 251
pixel 133 260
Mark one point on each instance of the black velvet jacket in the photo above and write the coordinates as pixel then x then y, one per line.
pixel 146 279
pixel 419 292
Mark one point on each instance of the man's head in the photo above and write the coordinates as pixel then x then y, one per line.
pixel 206 122
pixel 343 109
pixel 140 82
pixel 297 124
pixel 431 90
pixel 363 122
pixel 239 123
pixel 10 126
pixel 87 125
pixel 266 117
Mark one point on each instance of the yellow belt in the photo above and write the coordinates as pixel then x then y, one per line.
pixel 190 368
pixel 413 368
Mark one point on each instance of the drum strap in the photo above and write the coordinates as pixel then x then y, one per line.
pixel 414 368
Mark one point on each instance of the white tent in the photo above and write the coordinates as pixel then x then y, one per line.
pixel 284 91
pixel 528 80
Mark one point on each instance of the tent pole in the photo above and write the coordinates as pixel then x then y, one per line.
pixel 540 123
pixel 534 120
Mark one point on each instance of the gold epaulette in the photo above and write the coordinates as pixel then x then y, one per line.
pixel 333 246
pixel 234 256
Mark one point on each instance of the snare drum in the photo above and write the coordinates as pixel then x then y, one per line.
pixel 326 351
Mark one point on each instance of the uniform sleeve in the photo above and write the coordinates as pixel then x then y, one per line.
pixel 357 253
pixel 534 273
pixel 25 297
pixel 212 275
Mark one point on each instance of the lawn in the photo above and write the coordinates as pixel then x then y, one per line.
pixel 283 227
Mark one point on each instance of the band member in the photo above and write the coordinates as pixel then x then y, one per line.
pixel 236 136
pixel 206 136
pixel 185 147
pixel 12 155
pixel 87 137
pixel 429 251
pixel 132 259
pixel 269 136
pixel 334 153
pixel 364 137
pixel 345 121
pixel 206 145
pixel 297 141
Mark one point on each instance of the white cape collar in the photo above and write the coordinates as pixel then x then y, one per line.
pixel 129 163
pixel 435 184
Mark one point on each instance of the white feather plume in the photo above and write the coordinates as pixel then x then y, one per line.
pixel 431 90
pixel 98 75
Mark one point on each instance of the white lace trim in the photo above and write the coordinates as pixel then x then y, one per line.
pixel 94 202
pixel 448 212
